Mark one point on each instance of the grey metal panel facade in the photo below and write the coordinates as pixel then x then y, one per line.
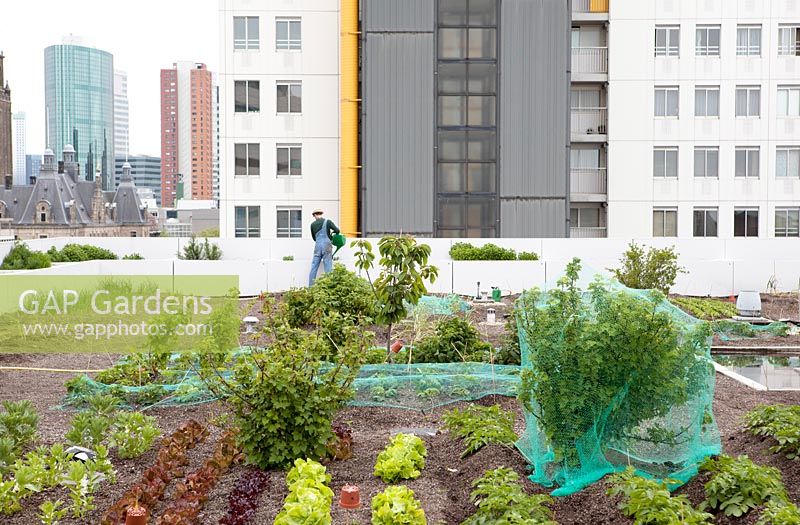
pixel 398 15
pixel 397 133
pixel 538 218
pixel 534 117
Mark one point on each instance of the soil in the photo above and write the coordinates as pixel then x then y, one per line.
pixel 443 489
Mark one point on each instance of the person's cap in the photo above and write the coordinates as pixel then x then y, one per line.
pixel 316 211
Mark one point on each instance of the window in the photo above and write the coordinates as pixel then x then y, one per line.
pixel 245 32
pixel 748 41
pixel 748 101
pixel 467 43
pixel 666 102
pixel 288 34
pixel 789 40
pixel 787 222
pixel 584 217
pixel 745 222
pixel 706 102
pixel 665 222
pixel 705 222
pixel 289 159
pixel 667 41
pixel 787 162
pixel 247 159
pixel 246 96
pixel 707 41
pixel 788 101
pixel 706 162
pixel 290 97
pixel 665 162
pixel 247 221
pixel 747 162
pixel 290 223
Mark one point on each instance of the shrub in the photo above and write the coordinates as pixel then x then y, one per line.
pixel 310 497
pixel 528 256
pixel 656 269
pixel 509 353
pixel 284 395
pixel 463 251
pixel 499 498
pixel 133 257
pixel 23 258
pixel 79 253
pixel 705 307
pixel 779 513
pixel 480 426
pixel 209 232
pixel 288 258
pixel 781 423
pixel 403 458
pixel 194 251
pixel 397 506
pixel 455 340
pixel 649 502
pixel 739 485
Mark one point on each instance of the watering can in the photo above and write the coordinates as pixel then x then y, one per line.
pixel 496 294
pixel 338 240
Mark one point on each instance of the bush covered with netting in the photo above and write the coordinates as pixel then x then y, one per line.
pixel 612 377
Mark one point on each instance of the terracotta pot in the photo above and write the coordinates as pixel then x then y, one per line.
pixel 136 516
pixel 351 498
pixel 396 346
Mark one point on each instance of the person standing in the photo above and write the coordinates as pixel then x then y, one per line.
pixel 322 231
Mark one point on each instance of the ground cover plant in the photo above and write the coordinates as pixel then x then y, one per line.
pixel 20 257
pixel 654 269
pixel 310 497
pixel 403 458
pixel 455 340
pixel 706 308
pixel 601 363
pixel 397 506
pixel 779 422
pixel 499 498
pixel 739 485
pixel 479 426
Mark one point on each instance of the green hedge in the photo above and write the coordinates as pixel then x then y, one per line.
pixel 463 251
pixel 79 253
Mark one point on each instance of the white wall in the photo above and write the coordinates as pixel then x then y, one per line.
pixel 633 130
pixel 716 267
pixel 316 129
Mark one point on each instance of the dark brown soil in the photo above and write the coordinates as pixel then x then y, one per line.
pixel 443 488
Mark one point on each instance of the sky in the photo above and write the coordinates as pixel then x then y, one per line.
pixel 144 37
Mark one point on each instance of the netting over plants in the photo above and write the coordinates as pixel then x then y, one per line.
pixel 729 330
pixel 612 377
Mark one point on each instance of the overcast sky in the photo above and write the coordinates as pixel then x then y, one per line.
pixel 143 35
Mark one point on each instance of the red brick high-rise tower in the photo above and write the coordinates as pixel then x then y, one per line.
pixel 6 161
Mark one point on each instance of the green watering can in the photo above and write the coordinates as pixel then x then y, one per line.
pixel 338 240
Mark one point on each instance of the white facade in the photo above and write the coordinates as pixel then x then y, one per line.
pixel 297 42
pixel 18 155
pixel 121 122
pixel 634 132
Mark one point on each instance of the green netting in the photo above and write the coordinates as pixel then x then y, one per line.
pixel 730 330
pixel 435 305
pixel 613 377
pixel 411 386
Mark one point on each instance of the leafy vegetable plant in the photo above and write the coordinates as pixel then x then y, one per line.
pixel 18 422
pixel 133 434
pixel 739 485
pixel 397 506
pixel 243 499
pixel 82 480
pixel 780 513
pixel 340 447
pixel 479 426
pixel 706 308
pixel 310 497
pixel 649 502
pixel 780 422
pixel 51 512
pixel 455 340
pixel 499 498
pixel 403 458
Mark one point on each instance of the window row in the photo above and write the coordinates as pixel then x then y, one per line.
pixel 247 222
pixel 706 101
pixel 708 38
pixel 745 222
pixel 288 33
pixel 288 159
pixel 247 96
pixel 706 162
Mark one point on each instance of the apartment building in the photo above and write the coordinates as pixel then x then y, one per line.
pixel 703 119
pixel 512 118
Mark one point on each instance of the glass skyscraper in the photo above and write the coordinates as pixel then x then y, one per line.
pixel 79 98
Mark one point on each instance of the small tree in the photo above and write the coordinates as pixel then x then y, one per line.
pixel 404 270
pixel 194 251
pixel 655 269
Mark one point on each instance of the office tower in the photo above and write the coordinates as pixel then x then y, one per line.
pixel 79 104
pixel 6 152
pixel 186 133
pixel 121 125
pixel 146 173
pixel 19 148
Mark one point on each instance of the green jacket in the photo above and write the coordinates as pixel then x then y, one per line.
pixel 316 226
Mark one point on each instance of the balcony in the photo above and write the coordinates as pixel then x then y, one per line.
pixel 589 10
pixel 588 184
pixel 587 233
pixel 589 64
pixel 589 124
